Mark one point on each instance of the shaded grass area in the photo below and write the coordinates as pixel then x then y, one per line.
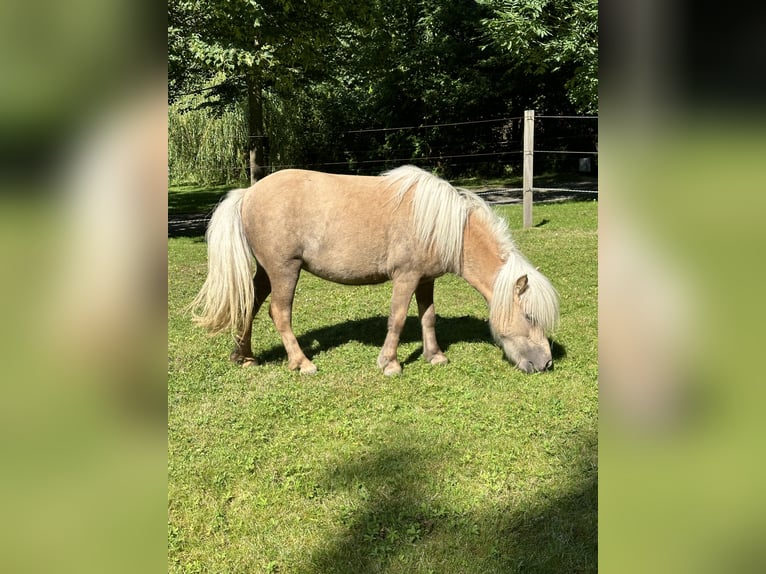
pixel 194 199
pixel 469 467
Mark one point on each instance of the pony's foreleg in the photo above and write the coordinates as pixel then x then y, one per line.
pixel 281 310
pixel 243 352
pixel 403 289
pixel 424 295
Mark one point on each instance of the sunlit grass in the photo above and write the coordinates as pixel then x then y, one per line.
pixel 468 467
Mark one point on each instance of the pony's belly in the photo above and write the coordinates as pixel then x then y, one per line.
pixel 346 276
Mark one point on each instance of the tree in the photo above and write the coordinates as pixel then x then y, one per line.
pixel 421 62
pixel 310 74
pixel 235 49
pixel 550 37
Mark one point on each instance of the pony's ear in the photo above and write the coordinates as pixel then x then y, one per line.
pixel 521 285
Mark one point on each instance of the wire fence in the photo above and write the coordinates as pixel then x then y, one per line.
pixel 479 145
pixel 565 158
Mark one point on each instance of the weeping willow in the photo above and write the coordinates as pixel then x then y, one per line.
pixel 207 148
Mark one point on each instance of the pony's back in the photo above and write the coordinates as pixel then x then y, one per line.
pixel 347 229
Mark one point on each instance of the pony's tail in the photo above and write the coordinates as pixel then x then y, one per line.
pixel 225 301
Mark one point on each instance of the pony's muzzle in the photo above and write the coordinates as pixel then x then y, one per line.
pixel 529 367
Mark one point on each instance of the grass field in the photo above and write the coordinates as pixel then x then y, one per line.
pixel 471 467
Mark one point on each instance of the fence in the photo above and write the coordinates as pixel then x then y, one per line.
pixel 459 145
pixel 488 148
pixel 528 188
pixel 528 152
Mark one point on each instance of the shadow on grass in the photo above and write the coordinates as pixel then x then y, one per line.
pixel 188 226
pixel 372 332
pixel 195 200
pixel 397 518
pixel 189 210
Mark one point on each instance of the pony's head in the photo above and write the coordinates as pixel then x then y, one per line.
pixel 523 309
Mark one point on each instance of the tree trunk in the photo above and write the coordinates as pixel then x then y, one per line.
pixel 256 138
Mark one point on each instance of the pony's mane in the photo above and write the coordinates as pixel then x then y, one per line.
pixel 540 302
pixel 440 212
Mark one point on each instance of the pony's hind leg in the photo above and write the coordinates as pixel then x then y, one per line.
pixel 243 352
pixel 283 284
pixel 424 295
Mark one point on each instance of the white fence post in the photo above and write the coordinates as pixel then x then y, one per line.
pixel 529 151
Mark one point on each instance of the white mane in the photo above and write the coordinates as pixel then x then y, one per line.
pixel 540 302
pixel 440 212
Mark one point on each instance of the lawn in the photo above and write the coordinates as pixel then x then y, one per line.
pixel 471 467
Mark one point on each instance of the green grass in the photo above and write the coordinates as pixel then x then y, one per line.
pixel 472 467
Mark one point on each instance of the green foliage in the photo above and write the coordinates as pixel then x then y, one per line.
pixel 206 148
pixel 551 37
pixel 471 467
pixel 223 41
pixel 322 69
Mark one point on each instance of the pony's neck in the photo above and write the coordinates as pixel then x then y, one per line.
pixel 481 256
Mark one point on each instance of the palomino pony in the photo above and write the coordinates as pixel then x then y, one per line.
pixel 406 226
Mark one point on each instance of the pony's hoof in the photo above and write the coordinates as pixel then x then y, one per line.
pixel 308 369
pixel 392 369
pixel 240 359
pixel 438 359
